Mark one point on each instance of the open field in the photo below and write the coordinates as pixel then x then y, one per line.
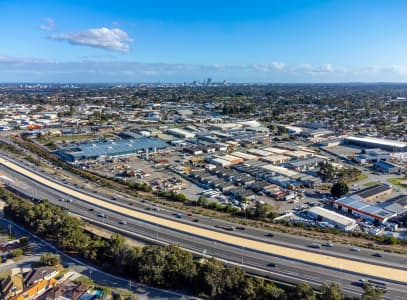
pixel 400 182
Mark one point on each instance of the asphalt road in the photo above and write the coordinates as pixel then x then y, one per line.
pixel 267 265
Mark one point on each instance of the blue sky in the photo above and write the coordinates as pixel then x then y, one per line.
pixel 243 41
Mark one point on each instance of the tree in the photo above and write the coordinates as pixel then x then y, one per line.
pixel 331 292
pixel 209 279
pixel 179 268
pixel 262 211
pixel 23 241
pixel 49 259
pixel 303 292
pixel 339 189
pixel 372 293
pixel 17 252
pixel 202 201
pixel 327 171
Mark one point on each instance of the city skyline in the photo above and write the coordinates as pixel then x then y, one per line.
pixel 304 41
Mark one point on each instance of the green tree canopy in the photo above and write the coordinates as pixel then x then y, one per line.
pixel 339 189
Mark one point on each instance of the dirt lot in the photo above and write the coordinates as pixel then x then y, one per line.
pixel 149 171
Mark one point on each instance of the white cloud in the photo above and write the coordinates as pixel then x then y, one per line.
pixel 49 26
pixel 113 39
pixel 103 69
pixel 6 59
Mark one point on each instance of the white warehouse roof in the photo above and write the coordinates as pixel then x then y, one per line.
pixel 391 143
pixel 332 216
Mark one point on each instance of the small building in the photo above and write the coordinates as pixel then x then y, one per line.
pixel 276 159
pixel 178 132
pixel 244 156
pixel 301 165
pixel 374 192
pixel 389 168
pixel 340 221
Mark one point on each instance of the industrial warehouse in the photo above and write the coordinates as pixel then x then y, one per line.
pixel 389 145
pixel 116 148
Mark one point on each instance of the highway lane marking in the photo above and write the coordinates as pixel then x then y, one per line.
pixel 309 257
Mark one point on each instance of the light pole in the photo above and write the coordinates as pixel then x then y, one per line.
pixel 90 276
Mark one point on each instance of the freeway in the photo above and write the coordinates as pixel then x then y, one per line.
pixel 289 240
pixel 274 264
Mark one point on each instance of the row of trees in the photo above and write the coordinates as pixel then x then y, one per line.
pixel 169 267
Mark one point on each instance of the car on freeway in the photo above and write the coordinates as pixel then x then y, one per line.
pixel 123 222
pixel 271 265
pixel 102 216
pixel 315 245
pixel 131 203
pixel 195 220
pixel 240 228
pixel 189 215
pixel 91 209
pixel 330 245
pixel 270 234
pixel 355 249
pixel 178 215
pixel 377 254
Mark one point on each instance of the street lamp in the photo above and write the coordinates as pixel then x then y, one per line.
pixel 90 276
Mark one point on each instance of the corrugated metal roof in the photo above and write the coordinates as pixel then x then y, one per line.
pixel 122 147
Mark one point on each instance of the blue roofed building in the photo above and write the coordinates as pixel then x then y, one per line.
pixel 390 168
pixel 125 147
